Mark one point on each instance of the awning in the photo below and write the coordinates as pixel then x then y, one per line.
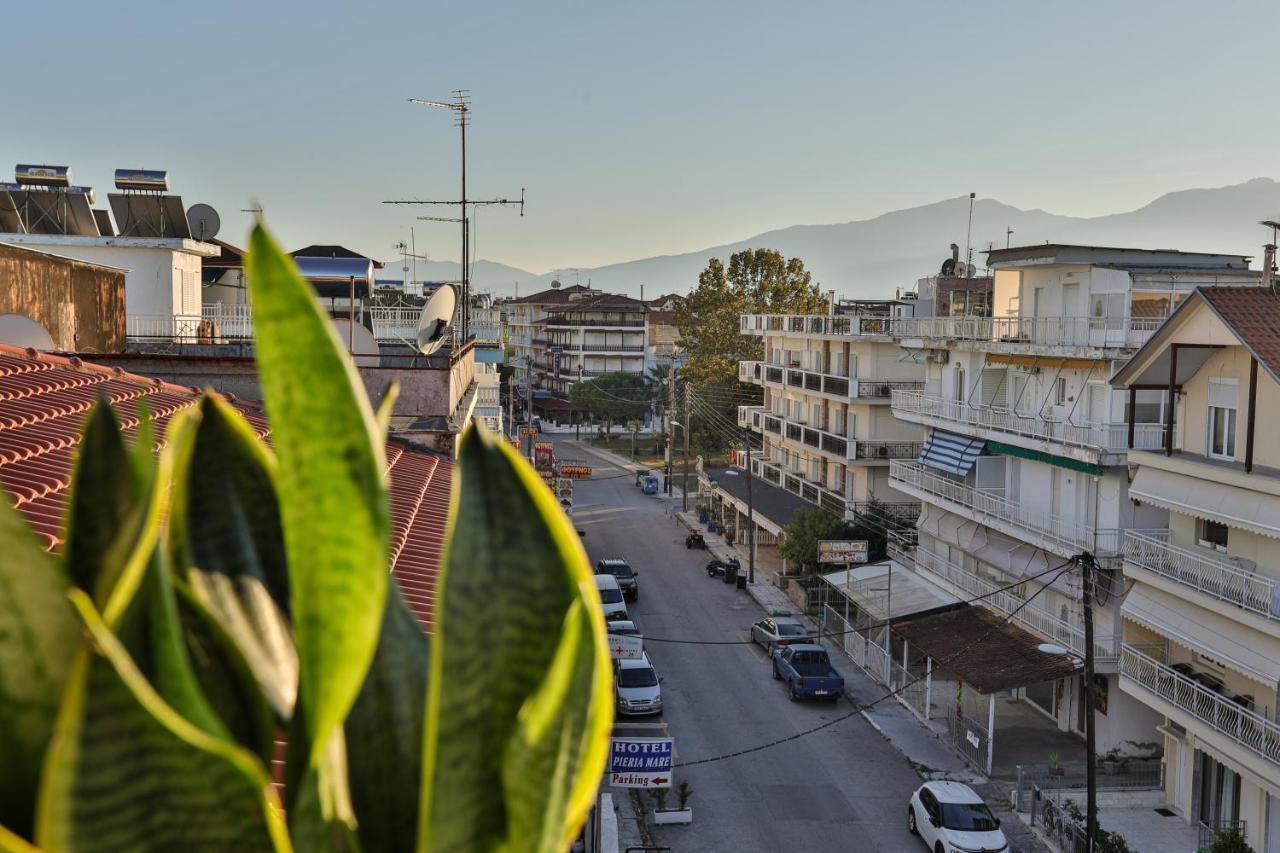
pixel 869 587
pixel 1048 458
pixel 1231 505
pixel 1257 656
pixel 987 652
pixel 949 452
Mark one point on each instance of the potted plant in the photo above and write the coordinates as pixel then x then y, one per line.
pixel 1055 767
pixel 682 813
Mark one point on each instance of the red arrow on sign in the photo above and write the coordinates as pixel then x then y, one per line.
pixel 658 781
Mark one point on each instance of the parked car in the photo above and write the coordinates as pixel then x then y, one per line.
pixel 624 574
pixel 635 687
pixel 780 631
pixel 950 816
pixel 611 597
pixel 807 671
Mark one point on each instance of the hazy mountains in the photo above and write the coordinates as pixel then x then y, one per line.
pixel 872 257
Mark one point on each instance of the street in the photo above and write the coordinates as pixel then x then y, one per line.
pixel 842 788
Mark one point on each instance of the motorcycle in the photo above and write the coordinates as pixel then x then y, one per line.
pixel 695 540
pixel 716 568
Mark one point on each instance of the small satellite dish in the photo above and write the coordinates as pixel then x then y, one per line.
pixel 437 314
pixel 204 222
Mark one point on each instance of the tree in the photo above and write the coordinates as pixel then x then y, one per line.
pixel 809 526
pixel 612 397
pixel 161 653
pixel 1230 840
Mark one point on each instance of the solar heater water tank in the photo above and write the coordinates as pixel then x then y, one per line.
pixel 148 180
pixel 42 176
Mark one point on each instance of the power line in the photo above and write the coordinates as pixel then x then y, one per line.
pixel 869 705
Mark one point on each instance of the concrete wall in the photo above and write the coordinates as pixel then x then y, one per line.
pixel 81 306
pixel 1230 363
pixel 159 280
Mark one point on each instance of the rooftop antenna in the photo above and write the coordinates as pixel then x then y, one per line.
pixel 1008 232
pixel 968 249
pixel 461 108
pixel 1269 256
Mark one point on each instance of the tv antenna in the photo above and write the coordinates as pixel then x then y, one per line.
pixel 460 106
pixel 1269 255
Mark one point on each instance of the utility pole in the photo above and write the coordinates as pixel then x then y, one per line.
pixel 461 107
pixel 751 517
pixel 1088 568
pixel 671 429
pixel 529 413
pixel 968 249
pixel 688 416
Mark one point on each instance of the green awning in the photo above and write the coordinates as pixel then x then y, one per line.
pixel 1048 458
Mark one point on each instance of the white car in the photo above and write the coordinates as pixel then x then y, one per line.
pixel 635 687
pixel 950 817
pixel 611 597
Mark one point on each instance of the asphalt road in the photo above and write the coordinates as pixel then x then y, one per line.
pixel 840 789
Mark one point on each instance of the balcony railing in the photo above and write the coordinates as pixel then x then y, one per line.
pixel 824 383
pixel 1095 332
pixel 1214 577
pixel 219 323
pixel 968 585
pixel 1107 437
pixel 1224 715
pixel 637 348
pixel 803 324
pixel 1063 536
pixel 882 389
pixel 745 414
pixel 859 449
pixel 563 321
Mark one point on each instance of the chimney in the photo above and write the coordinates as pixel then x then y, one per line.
pixel 955 252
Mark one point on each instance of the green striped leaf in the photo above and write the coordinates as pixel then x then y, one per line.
pixel 38 635
pixel 532 692
pixel 101 498
pixel 331 486
pixel 126 772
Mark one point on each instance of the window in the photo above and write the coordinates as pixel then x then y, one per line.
pixel 1222 418
pixel 1060 391
pixel 959 383
pixel 1212 534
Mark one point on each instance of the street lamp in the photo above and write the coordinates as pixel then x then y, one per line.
pixel 1091 778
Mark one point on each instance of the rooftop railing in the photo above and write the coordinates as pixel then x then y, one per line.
pixel 219 323
pixel 812 324
pixel 1093 332
pixel 1215 577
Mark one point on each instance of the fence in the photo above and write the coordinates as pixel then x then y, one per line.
pixel 1071 778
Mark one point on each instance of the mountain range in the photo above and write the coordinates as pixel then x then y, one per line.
pixel 871 258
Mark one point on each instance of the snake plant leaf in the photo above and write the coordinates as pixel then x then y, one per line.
pixel 225 677
pixel 101 498
pixel 126 772
pixel 385 729
pixel 321 814
pixel 38 635
pixel 227 544
pixel 511 696
pixel 11 842
pixel 331 484
pixel 558 732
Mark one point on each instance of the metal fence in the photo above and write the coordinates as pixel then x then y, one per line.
pixel 1071 778
pixel 970 738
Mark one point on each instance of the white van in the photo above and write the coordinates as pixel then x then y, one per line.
pixel 611 597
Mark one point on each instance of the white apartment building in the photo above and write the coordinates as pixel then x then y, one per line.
pixel 1201 624
pixel 527 339
pixel 1024 459
pixel 589 337
pixel 828 432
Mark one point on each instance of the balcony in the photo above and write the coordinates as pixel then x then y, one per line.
pixel 813 382
pixel 1081 332
pixel 917 407
pixel 883 451
pixel 631 348
pixel 562 321
pixel 798 485
pixel 805 324
pixel 218 323
pixel 1217 578
pixel 1233 721
pixel 746 419
pixel 968 585
pixel 1054 533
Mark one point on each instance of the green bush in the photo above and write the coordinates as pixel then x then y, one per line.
pixel 1230 841
pixel 219 595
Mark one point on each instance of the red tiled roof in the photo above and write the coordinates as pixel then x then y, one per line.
pixel 553 295
pixel 1253 313
pixel 43 403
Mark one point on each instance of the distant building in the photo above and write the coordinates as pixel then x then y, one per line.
pixel 60 304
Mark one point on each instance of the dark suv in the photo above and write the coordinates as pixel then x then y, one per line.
pixel 626 578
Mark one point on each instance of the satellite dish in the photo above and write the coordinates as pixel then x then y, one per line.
pixel 437 314
pixel 204 222
pixel 21 331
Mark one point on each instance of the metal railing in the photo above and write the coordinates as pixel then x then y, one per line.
pixel 219 323
pixel 1094 332
pixel 563 321
pixel 1063 536
pixel 815 324
pixel 1228 718
pixel 968 585
pixel 608 348
pixel 1207 831
pixel 882 389
pixel 749 416
pixel 1211 576
pixel 886 450
pixel 1109 437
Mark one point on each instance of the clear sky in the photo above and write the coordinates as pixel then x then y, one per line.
pixel 642 128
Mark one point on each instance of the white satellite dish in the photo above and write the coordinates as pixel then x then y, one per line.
pixel 437 314
pixel 203 221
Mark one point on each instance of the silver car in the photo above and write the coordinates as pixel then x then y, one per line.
pixel 780 631
pixel 635 687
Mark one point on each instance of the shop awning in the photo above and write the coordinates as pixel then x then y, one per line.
pixel 1250 653
pixel 869 587
pixel 983 649
pixel 1047 458
pixel 949 452
pixel 1206 499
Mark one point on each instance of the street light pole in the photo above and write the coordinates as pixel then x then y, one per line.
pixel 1087 566
pixel 688 416
pixel 751 520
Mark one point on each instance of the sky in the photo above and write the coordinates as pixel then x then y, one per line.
pixel 641 129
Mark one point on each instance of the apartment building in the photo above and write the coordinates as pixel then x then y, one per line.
pixel 527 340
pixel 1023 464
pixel 1200 643
pixel 592 336
pixel 828 432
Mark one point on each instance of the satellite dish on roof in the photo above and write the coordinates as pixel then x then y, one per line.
pixel 204 222
pixel 437 314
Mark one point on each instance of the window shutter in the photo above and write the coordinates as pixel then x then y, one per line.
pixel 1222 393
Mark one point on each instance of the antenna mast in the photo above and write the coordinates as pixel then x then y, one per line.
pixel 1269 256
pixel 968 248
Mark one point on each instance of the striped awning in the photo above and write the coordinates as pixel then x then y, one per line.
pixel 949 452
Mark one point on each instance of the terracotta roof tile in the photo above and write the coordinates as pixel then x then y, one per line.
pixel 43 403
pixel 1254 314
